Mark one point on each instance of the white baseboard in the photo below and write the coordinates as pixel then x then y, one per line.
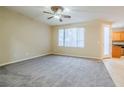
pixel 16 61
pixel 77 56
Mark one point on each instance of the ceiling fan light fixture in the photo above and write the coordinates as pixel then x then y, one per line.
pixel 57 13
pixel 57 17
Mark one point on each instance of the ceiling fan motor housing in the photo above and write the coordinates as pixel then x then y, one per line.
pixel 57 8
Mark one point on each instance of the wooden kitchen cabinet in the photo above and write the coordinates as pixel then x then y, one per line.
pixel 116 36
pixel 116 51
pixel 122 36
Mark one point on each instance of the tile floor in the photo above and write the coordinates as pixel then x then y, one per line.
pixel 115 68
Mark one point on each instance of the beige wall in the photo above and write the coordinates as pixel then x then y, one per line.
pixel 93 40
pixel 22 37
pixel 118 29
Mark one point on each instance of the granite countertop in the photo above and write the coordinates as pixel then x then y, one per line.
pixel 118 44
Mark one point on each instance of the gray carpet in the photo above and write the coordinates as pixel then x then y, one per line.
pixel 55 71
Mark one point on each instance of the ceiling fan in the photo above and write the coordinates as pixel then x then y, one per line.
pixel 57 12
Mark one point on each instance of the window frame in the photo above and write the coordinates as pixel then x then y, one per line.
pixel 77 41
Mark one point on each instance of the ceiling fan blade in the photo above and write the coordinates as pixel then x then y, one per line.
pixel 66 16
pixel 47 12
pixel 60 20
pixel 50 17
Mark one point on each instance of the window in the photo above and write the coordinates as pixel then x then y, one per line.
pixel 71 37
pixel 106 40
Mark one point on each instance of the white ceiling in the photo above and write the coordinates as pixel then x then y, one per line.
pixel 78 13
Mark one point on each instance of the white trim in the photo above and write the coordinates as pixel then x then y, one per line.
pixel 16 61
pixel 77 56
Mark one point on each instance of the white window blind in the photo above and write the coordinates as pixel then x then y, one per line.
pixel 71 37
